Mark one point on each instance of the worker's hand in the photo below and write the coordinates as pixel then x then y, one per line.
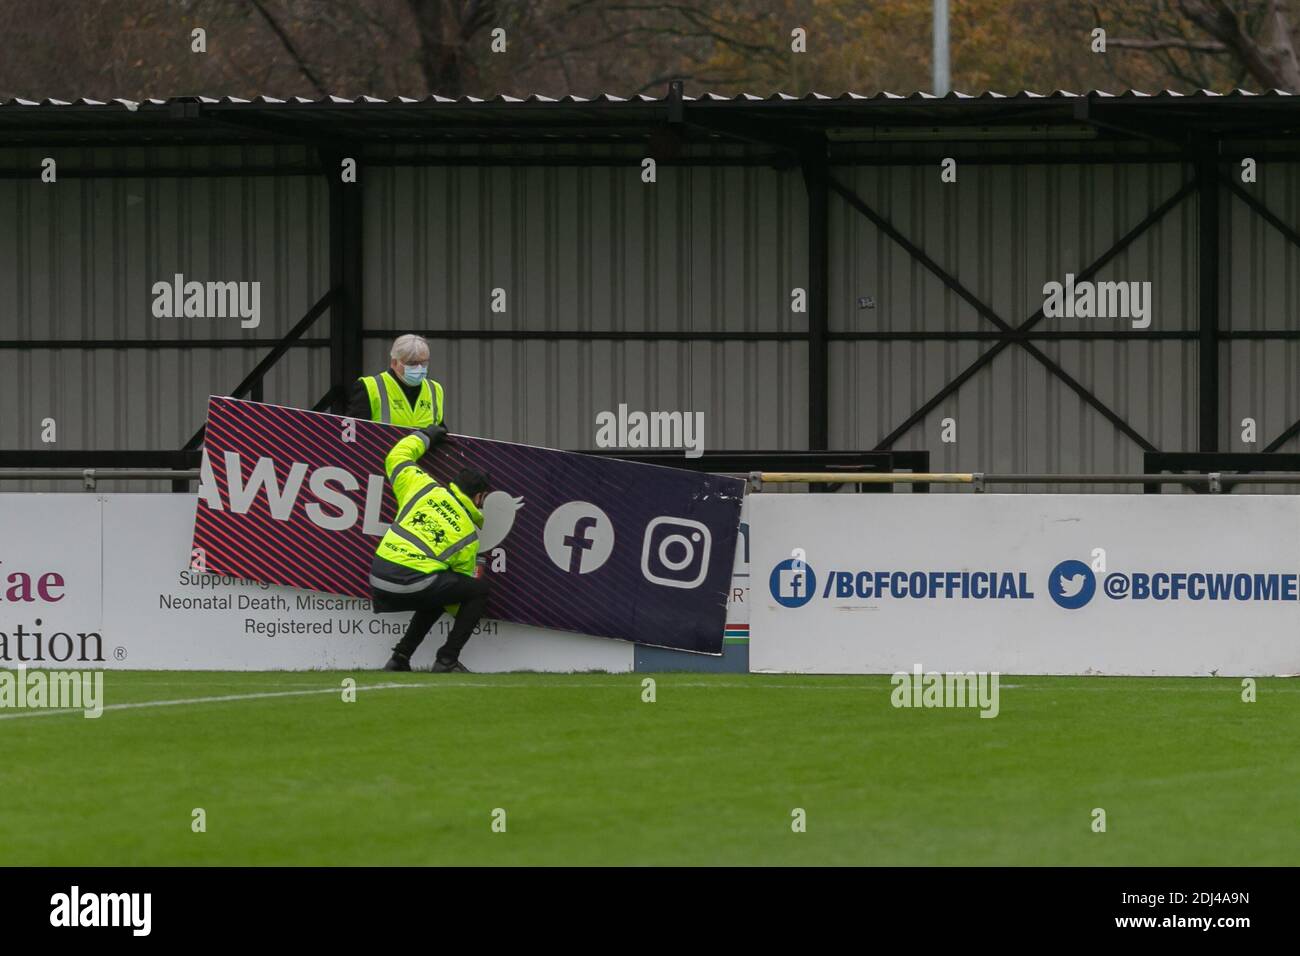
pixel 437 434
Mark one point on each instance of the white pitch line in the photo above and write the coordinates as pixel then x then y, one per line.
pixel 495 685
pixel 206 683
pixel 225 698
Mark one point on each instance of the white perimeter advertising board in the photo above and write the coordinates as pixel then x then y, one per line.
pixel 1025 584
pixel 102 580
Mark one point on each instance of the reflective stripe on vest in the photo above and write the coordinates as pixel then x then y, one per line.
pixel 445 553
pixel 385 410
pixel 395 588
pixel 415 540
pixel 408 415
pixel 415 499
pixel 411 538
pixel 462 543
pixel 400 466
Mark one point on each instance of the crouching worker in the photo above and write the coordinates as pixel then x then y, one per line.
pixel 426 561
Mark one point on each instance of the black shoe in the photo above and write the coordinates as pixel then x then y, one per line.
pixel 455 667
pixel 398 663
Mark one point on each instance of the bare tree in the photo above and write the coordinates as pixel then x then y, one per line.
pixel 107 48
pixel 444 28
pixel 289 47
pixel 1270 58
pixel 1196 39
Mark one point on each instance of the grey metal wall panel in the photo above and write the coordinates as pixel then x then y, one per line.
pixel 1003 231
pixel 1263 385
pixel 82 254
pixel 1262 274
pixel 1016 417
pixel 753 395
pixel 78 259
pixel 702 249
pixel 133 399
pixel 1261 280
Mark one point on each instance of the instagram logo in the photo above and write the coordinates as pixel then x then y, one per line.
pixel 676 552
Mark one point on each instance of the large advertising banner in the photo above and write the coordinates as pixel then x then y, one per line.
pixel 51 589
pixel 735 647
pixel 578 543
pixel 1026 584
pixel 101 580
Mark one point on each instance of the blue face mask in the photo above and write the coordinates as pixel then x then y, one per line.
pixel 414 374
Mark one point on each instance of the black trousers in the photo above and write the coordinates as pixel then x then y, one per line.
pixel 428 603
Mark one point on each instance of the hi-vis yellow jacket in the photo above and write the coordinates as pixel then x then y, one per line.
pixel 388 403
pixel 436 527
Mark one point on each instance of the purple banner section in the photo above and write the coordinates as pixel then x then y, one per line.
pixel 573 542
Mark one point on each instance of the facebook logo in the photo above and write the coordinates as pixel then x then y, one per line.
pixel 792 583
pixel 579 537
pixel 578 542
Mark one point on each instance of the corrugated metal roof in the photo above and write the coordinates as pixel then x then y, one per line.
pixel 779 119
pixel 610 98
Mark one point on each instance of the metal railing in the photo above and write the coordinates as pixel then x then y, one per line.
pixel 1214 481
pixel 90 477
pixel 181 467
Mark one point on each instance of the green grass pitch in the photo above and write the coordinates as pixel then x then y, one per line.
pixel 709 773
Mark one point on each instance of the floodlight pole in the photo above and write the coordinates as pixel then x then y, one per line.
pixel 942 81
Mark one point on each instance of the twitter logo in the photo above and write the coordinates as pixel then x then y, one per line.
pixel 1071 584
pixel 498 518
pixel 1070 587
